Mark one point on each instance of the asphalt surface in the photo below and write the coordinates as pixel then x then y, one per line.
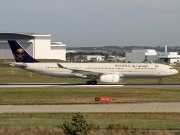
pixel 162 107
pixel 68 85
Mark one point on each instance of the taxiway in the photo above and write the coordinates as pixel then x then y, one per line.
pixel 155 107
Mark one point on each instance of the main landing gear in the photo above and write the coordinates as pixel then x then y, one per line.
pixel 91 82
pixel 160 81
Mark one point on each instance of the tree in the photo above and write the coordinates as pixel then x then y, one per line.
pixel 78 126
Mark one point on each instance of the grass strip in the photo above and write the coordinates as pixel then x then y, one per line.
pixel 102 120
pixel 47 96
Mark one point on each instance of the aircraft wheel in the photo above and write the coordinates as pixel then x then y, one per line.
pixel 94 82
pixel 88 82
pixel 160 81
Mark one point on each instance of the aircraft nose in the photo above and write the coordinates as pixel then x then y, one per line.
pixel 176 71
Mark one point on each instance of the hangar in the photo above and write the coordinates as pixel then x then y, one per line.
pixel 150 55
pixel 141 56
pixel 38 46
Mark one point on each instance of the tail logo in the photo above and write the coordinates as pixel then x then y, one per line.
pixel 19 54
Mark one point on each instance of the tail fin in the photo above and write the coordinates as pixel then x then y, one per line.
pixel 20 53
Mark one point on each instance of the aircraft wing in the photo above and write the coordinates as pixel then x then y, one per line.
pixel 84 72
pixel 88 72
pixel 22 65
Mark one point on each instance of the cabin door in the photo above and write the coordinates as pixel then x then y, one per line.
pixel 41 67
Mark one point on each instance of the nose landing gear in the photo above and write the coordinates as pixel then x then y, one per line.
pixel 160 81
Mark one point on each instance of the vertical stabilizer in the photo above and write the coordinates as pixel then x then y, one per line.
pixel 20 53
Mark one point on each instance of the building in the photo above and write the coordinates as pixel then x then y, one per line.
pixel 95 58
pixel 141 56
pixel 112 58
pixel 38 46
pixel 169 57
pixel 149 55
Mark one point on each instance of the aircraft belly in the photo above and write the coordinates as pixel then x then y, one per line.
pixel 144 74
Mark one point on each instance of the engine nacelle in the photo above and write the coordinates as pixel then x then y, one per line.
pixel 112 78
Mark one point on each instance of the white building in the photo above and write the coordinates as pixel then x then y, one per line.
pixel 169 57
pixel 38 46
pixel 94 58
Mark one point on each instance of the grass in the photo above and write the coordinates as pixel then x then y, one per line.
pixel 59 131
pixel 132 120
pixel 24 96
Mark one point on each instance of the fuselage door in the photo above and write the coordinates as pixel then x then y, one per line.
pixel 41 67
pixel 129 68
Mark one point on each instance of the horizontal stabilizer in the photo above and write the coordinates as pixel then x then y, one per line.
pixel 23 65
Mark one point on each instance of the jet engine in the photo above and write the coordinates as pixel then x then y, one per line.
pixel 112 78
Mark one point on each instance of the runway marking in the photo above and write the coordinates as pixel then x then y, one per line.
pixel 35 85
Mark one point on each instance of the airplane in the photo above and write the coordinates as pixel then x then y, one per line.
pixel 106 72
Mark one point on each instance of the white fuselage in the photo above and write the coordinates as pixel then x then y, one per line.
pixel 127 70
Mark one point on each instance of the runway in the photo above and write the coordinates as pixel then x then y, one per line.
pixel 100 85
pixel 56 85
pixel 156 107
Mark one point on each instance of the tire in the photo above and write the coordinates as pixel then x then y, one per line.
pixel 88 82
pixel 94 82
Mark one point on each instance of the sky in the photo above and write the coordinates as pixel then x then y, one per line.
pixel 96 23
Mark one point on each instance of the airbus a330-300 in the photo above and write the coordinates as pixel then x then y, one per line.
pixel 106 72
